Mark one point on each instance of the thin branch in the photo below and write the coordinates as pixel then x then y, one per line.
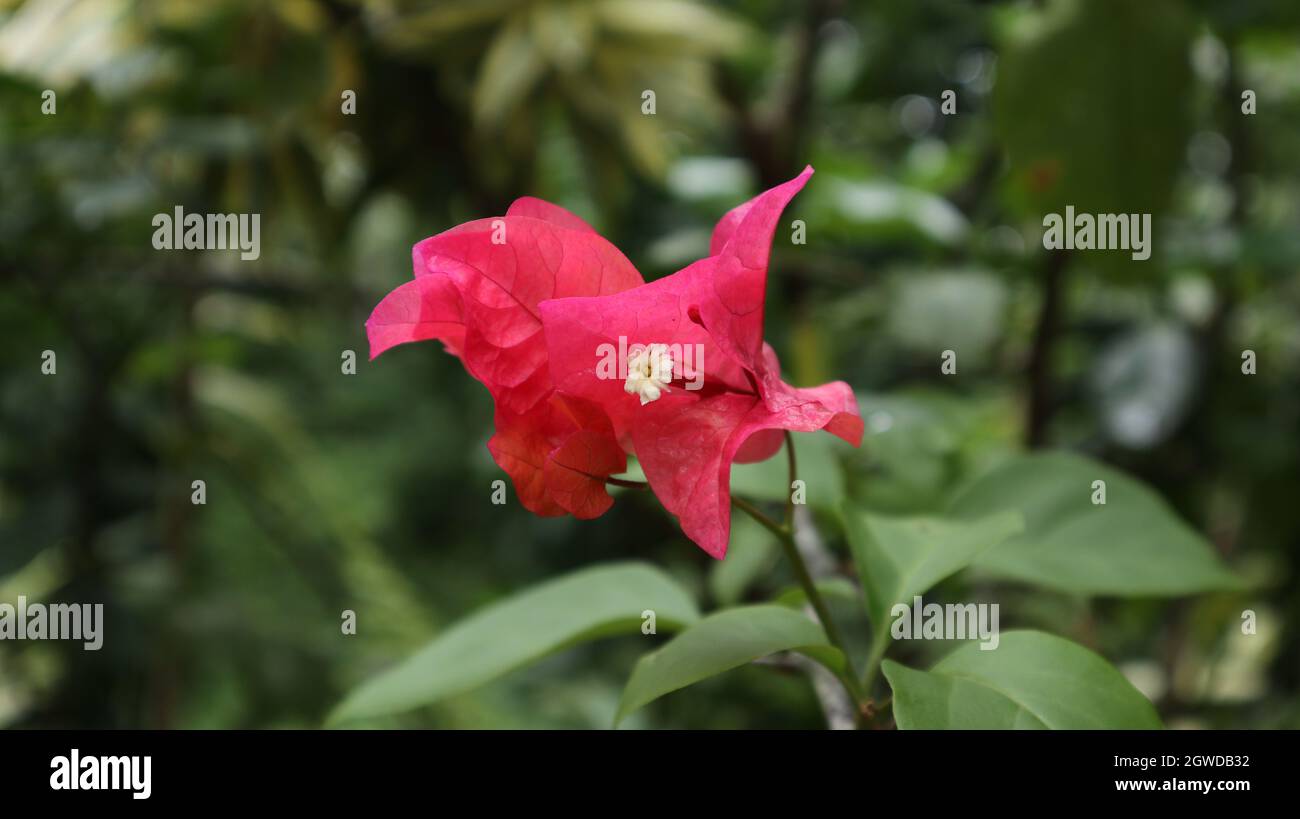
pixel 1046 333
pixel 626 483
pixel 793 472
pixel 759 515
pixel 785 536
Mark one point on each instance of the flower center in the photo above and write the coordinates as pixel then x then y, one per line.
pixel 649 369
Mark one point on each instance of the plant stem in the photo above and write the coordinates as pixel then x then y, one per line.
pixel 785 535
pixel 789 490
pixel 757 514
pixel 626 483
pixel 876 656
pixel 810 589
pixel 1039 369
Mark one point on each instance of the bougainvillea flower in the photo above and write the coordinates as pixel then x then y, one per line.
pixel 533 304
pixel 687 436
pixel 477 289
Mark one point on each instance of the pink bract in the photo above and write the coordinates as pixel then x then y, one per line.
pixel 476 289
pixel 687 440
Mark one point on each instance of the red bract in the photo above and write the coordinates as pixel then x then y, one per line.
pixel 476 289
pixel 534 304
pixel 686 439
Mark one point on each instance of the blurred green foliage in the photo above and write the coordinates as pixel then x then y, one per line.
pixel 371 492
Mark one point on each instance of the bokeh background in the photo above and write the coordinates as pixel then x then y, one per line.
pixel 371 492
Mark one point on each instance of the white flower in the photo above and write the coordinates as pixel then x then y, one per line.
pixel 649 369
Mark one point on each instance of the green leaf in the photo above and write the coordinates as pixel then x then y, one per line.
pixel 687 26
pixel 1131 545
pixel 1115 142
pixel 751 555
pixel 581 606
pixel 818 462
pixel 844 601
pixel 511 67
pixel 901 557
pixel 921 443
pixel 887 210
pixel 1031 680
pixel 954 308
pixel 449 18
pixel 830 588
pixel 1145 383
pixel 721 642
pixel 563 33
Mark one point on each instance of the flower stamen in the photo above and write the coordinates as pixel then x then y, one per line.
pixel 649 369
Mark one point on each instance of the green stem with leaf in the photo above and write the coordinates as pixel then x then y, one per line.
pixel 784 533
